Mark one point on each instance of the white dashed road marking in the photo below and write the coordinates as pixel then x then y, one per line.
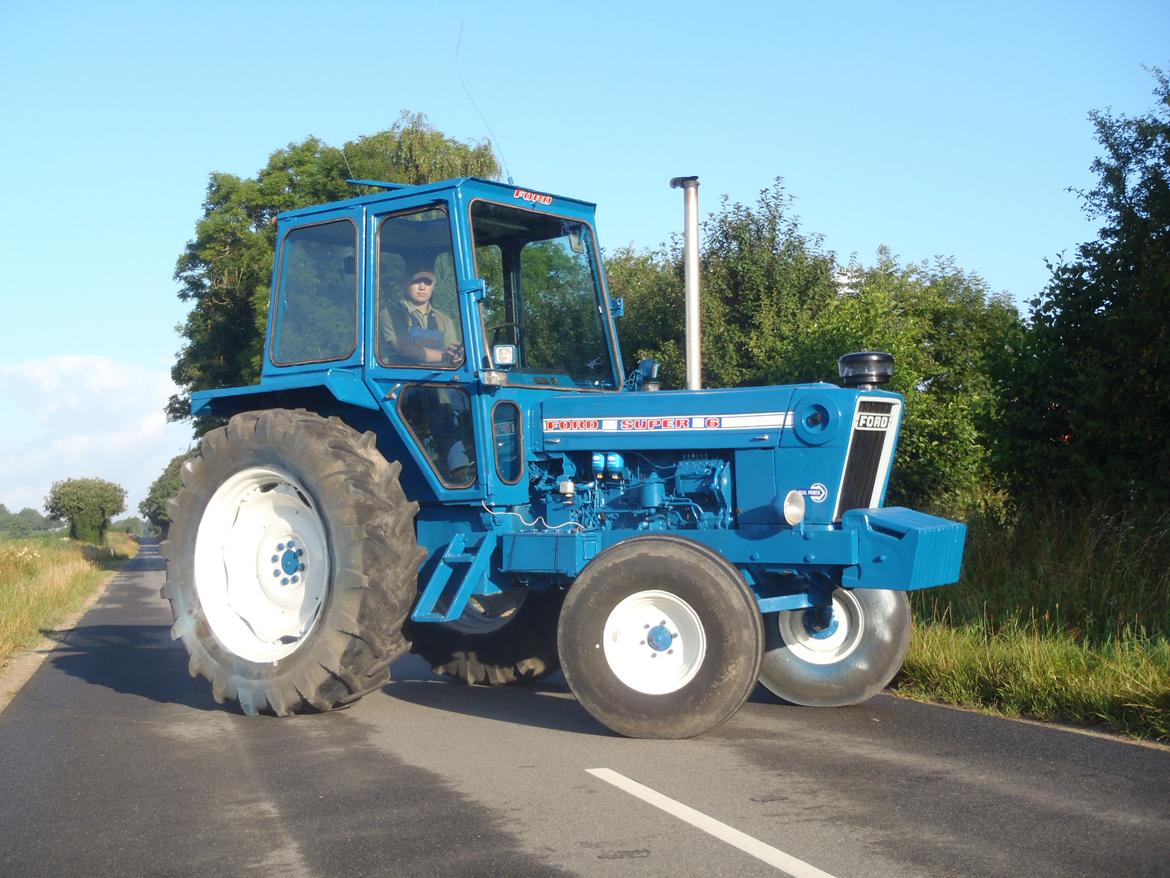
pixel 753 846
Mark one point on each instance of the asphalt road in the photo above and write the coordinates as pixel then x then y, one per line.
pixel 114 762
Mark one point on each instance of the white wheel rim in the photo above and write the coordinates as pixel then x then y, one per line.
pixel 818 644
pixel 654 642
pixel 261 564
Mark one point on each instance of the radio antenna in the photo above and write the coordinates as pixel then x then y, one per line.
pixel 491 134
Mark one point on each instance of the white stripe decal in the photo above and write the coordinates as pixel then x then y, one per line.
pixel 668 423
pixel 746 843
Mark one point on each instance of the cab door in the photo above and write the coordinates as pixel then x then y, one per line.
pixel 417 345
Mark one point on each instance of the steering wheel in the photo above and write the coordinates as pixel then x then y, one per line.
pixel 495 328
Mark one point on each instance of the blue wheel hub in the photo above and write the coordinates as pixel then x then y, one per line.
pixel 288 563
pixel 820 623
pixel 659 638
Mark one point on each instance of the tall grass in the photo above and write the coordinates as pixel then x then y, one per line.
pixel 43 580
pixel 1062 614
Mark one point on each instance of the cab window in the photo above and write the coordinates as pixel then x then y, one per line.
pixel 316 303
pixel 418 308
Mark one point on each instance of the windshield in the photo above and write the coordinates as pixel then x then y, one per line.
pixel 543 296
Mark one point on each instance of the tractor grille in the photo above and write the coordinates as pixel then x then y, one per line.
pixel 871 443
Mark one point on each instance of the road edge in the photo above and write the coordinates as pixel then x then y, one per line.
pixel 22 664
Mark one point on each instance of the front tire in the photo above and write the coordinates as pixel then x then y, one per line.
pixel 820 659
pixel 660 638
pixel 291 562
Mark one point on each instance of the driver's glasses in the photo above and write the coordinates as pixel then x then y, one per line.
pixel 425 281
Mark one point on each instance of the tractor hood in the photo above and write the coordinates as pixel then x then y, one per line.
pixel 745 417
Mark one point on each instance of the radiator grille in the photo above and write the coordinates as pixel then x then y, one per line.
pixel 875 425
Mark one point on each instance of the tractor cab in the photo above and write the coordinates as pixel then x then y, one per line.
pixel 451 308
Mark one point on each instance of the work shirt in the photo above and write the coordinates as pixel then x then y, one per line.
pixel 421 325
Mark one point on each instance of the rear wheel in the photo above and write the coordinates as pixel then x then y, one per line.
pixel 291 562
pixel 660 638
pixel 838 655
pixel 510 637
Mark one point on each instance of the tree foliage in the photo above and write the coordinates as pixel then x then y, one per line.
pixel 225 271
pixel 154 507
pixel 23 523
pixel 778 309
pixel 1092 387
pixel 87 505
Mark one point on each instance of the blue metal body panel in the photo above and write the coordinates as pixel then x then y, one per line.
pixel 598 466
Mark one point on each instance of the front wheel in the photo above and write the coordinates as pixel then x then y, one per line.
pixel 837 655
pixel 660 638
pixel 291 562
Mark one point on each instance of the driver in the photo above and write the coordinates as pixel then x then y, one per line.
pixel 418 332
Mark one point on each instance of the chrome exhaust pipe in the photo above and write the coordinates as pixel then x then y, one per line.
pixel 690 187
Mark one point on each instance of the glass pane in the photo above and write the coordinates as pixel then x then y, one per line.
pixel 316 315
pixel 543 295
pixel 506 430
pixel 418 313
pixel 440 419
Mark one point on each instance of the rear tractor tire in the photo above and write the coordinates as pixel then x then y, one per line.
pixel 837 656
pixel 499 639
pixel 291 562
pixel 660 638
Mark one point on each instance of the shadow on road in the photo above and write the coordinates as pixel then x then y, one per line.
pixel 542 705
pixel 135 660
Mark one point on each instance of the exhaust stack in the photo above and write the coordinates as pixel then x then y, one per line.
pixel 690 187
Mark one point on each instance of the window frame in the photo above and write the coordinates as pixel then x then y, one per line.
pixel 379 221
pixel 278 291
pixel 601 293
pixel 521 460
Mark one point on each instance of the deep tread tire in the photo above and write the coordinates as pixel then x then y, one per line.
pixel 861 666
pixel 521 651
pixel 691 582
pixel 372 578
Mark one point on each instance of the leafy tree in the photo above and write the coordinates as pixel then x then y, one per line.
pixel 131 524
pixel 777 309
pixel 763 282
pixel 23 523
pixel 1092 383
pixel 87 504
pixel 225 271
pixel 162 489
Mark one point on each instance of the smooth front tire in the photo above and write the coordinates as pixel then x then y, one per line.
pixel 498 640
pixel 291 562
pixel 660 638
pixel 837 656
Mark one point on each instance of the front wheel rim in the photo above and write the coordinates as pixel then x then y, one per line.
pixel 261 564
pixel 654 642
pixel 820 639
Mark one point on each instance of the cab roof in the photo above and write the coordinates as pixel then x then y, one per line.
pixel 472 186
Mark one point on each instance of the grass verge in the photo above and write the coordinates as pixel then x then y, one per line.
pixel 1063 614
pixel 43 580
pixel 1019 670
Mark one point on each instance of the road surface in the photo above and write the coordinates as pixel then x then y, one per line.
pixel 113 761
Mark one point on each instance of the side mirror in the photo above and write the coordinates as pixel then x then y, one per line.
pixel 617 307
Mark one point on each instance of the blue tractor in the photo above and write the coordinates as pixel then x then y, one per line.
pixel 445 454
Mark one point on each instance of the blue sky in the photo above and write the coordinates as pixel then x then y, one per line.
pixel 932 128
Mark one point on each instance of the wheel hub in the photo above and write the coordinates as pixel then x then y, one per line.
pixel 824 635
pixel 821 623
pixel 289 561
pixel 659 638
